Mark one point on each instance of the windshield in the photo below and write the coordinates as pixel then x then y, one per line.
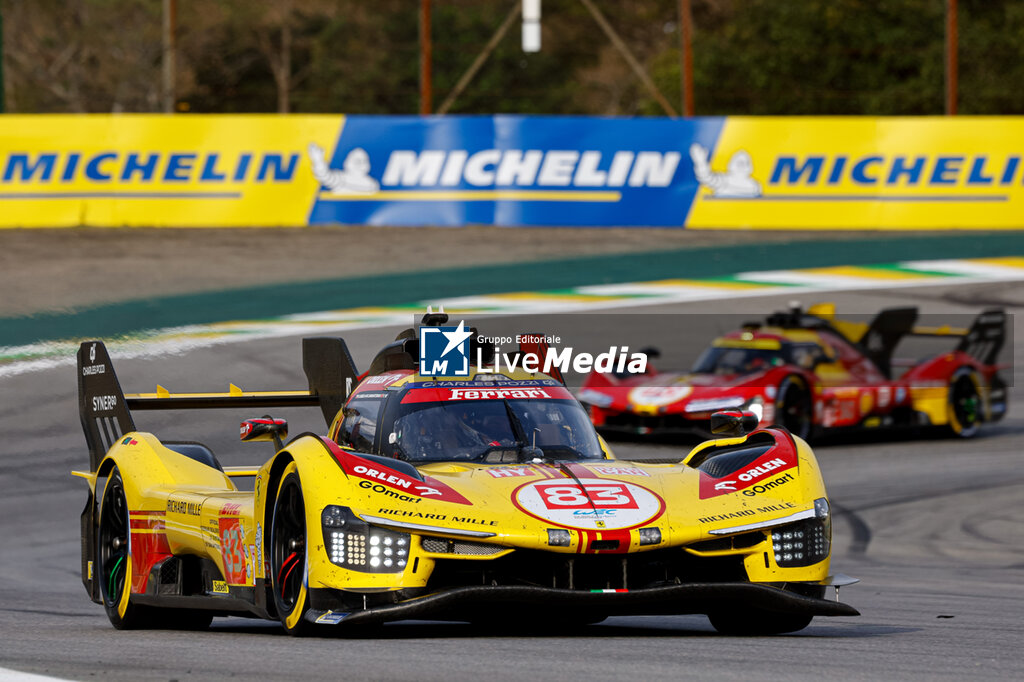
pixel 492 430
pixel 719 360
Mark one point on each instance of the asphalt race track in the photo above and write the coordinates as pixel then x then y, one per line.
pixel 933 527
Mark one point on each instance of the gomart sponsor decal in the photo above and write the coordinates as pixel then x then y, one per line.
pixel 765 487
pixel 768 466
pixel 600 502
pixel 382 489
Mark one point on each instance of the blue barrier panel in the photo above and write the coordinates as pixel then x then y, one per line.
pixel 510 170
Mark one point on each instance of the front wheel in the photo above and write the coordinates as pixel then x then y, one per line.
pixel 794 407
pixel 287 551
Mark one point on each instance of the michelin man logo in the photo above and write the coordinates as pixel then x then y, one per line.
pixel 354 178
pixel 734 182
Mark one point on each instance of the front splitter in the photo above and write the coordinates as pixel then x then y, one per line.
pixel 471 603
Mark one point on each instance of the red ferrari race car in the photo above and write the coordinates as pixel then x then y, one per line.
pixel 813 373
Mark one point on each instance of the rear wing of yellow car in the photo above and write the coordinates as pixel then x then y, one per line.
pixel 878 339
pixel 106 411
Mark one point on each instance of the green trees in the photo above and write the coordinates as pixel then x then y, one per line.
pixel 756 57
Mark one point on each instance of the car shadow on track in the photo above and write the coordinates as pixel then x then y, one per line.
pixel 695 627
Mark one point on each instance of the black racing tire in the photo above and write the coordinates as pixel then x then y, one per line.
pixel 794 408
pixel 965 405
pixel 114 559
pixel 287 553
pixel 755 622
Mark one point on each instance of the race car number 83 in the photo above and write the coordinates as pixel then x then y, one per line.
pixel 572 496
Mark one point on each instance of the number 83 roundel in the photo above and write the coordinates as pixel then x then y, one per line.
pixel 617 504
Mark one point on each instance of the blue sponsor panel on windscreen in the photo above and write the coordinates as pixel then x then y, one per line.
pixel 510 170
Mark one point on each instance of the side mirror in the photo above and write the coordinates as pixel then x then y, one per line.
pixel 734 423
pixel 264 429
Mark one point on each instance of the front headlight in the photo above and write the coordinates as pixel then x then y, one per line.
pixel 805 542
pixel 354 544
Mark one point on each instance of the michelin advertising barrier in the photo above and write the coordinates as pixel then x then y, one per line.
pixel 700 173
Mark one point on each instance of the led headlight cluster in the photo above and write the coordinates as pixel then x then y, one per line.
pixel 805 542
pixel 559 537
pixel 650 536
pixel 355 544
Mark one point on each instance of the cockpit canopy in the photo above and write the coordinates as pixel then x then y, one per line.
pixel 493 423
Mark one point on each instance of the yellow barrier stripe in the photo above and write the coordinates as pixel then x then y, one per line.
pixel 866 273
pixel 481 195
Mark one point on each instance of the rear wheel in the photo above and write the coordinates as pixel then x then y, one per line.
pixel 965 407
pixel 114 558
pixel 794 407
pixel 288 554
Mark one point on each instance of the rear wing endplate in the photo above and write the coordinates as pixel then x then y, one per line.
pixel 986 336
pixel 106 411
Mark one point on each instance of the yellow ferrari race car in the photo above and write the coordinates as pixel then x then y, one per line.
pixel 487 498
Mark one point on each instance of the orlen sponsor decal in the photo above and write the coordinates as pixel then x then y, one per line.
pixel 427 395
pixel 607 504
pixel 429 488
pixel 769 465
